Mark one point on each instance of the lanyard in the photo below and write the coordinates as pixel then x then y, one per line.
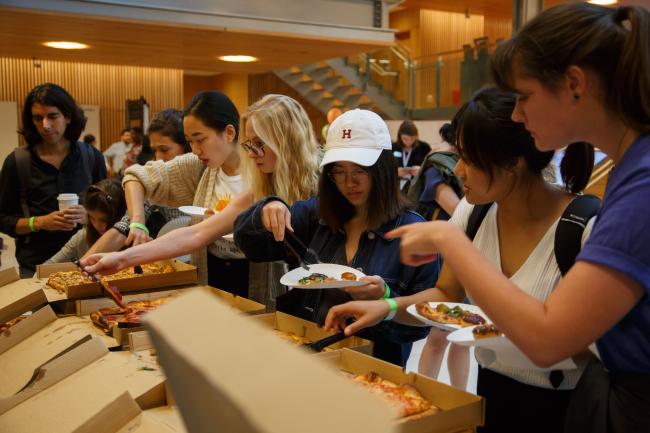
pixel 405 157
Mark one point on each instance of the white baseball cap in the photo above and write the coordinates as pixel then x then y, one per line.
pixel 358 136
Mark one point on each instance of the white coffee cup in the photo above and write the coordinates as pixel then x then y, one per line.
pixel 67 200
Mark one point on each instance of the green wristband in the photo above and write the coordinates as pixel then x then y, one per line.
pixel 139 226
pixel 31 224
pixel 393 309
pixel 387 292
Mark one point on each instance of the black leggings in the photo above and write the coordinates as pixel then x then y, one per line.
pixel 231 275
pixel 514 406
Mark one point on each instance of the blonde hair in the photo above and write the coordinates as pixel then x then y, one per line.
pixel 284 127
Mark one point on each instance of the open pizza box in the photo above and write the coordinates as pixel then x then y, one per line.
pixel 32 343
pixel 122 332
pixel 90 399
pixel 18 296
pixel 184 274
pixel 459 409
pixel 240 377
pixel 304 328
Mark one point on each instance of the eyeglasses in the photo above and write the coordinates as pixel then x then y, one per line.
pixel 254 148
pixel 341 176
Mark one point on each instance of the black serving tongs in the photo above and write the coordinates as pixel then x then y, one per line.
pixel 113 292
pixel 307 251
pixel 318 346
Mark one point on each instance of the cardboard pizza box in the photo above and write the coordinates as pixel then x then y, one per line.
pixel 184 274
pixel 18 296
pixel 304 328
pixel 67 362
pixel 242 378
pixel 240 303
pixel 36 340
pixel 460 410
pixel 90 400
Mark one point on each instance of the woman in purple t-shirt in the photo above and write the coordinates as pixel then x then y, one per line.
pixel 581 73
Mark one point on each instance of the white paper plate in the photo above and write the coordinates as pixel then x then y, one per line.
pixel 504 350
pixel 330 269
pixel 445 326
pixel 194 211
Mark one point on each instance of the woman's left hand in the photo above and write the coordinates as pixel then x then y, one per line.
pixel 420 242
pixel 375 289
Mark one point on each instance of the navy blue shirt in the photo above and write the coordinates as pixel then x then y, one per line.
pixel 620 240
pixel 376 255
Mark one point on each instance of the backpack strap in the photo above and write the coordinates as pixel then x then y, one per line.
pixel 568 234
pixel 476 218
pixel 88 159
pixel 23 167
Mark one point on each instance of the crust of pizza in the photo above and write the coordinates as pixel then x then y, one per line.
pixel 61 281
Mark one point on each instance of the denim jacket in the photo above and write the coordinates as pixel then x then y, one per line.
pixel 376 255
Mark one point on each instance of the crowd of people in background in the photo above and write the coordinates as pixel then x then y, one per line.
pixel 474 221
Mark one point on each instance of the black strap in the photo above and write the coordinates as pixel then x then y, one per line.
pixel 23 167
pixel 568 235
pixel 476 218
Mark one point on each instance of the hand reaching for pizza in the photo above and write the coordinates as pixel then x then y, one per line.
pixel 375 289
pixel 366 313
pixel 104 263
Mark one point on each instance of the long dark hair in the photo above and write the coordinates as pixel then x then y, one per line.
pixel 52 95
pixel 612 42
pixel 215 110
pixel 106 196
pixel 169 123
pixel 487 138
pixel 385 201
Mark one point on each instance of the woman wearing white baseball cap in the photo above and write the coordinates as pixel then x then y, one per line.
pixel 358 202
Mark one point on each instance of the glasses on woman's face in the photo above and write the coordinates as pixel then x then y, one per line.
pixel 256 148
pixel 340 176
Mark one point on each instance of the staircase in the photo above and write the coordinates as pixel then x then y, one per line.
pixel 338 83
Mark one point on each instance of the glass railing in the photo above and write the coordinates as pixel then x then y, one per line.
pixel 439 80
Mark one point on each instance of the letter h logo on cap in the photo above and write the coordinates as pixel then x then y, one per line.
pixel 347 133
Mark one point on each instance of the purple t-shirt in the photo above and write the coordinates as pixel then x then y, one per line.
pixel 620 240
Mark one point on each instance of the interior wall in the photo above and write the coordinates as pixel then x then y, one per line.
pixel 108 86
pixel 233 85
pixel 263 84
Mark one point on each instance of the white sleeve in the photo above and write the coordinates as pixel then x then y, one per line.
pixel 110 151
pixel 461 214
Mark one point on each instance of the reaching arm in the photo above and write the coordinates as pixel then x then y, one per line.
pixel 112 240
pixel 369 313
pixel 589 300
pixel 175 243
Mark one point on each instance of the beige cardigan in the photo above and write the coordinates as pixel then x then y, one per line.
pixel 183 180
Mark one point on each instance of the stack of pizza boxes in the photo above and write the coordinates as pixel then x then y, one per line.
pixel 57 374
pixel 241 377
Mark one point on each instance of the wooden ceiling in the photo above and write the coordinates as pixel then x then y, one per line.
pixel 136 43
pixel 481 7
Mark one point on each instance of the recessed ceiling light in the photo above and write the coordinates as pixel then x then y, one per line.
pixel 603 2
pixel 66 45
pixel 238 58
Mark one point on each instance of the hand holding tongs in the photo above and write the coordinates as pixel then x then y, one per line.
pixel 307 251
pixel 113 292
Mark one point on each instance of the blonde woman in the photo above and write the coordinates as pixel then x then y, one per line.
pixel 281 159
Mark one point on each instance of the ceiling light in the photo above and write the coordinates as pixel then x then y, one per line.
pixel 238 58
pixel 66 45
pixel 603 2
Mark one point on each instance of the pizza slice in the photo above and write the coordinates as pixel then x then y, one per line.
pixel 61 281
pixel 405 398
pixel 438 314
pixel 486 331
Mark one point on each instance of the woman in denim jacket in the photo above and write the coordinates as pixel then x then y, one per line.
pixel 358 202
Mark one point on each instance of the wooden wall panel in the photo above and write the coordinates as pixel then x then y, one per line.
pixel 108 86
pixel 498 27
pixel 263 84
pixel 233 85
pixel 440 32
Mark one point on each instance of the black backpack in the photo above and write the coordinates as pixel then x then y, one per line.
pixel 568 234
pixel 444 162
pixel 24 163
